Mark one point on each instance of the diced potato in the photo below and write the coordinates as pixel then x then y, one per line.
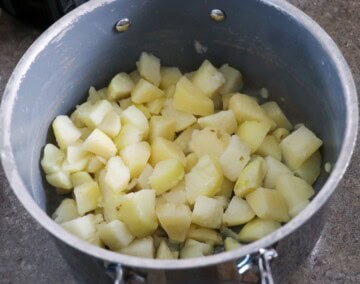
pixel 270 147
pixel 192 249
pixel 93 115
pixel 224 120
pixel 217 99
pixel 166 175
pixel 257 229
pixel 135 157
pixel 174 219
pixel 52 159
pixel 132 115
pixel 274 111
pixel 137 211
pixel 226 188
pixel 125 103
pixel 234 158
pixel 245 108
pixel 117 175
pixel 111 124
pixel 135 76
pixel 61 180
pixel 66 211
pixel 294 190
pixel 156 106
pixel 85 132
pixel 143 179
pixel 144 110
pixel 95 96
pixel 238 212
pixel 224 201
pixel 310 169
pixel 205 235
pixel 76 152
pixel 268 204
pixel 163 251
pixel 87 196
pixel 82 227
pixel 176 195
pixel 183 139
pixel 120 87
pixel 233 80
pixel 162 149
pixel 161 126
pixel 149 68
pixel 250 178
pixel 207 212
pixel 75 166
pixel 65 131
pixel 191 161
pixel 225 100
pixel 129 134
pixel 280 134
pixel 94 164
pixel 183 119
pixel 169 76
pixel 206 142
pixel 100 144
pixel 115 235
pixel 231 244
pixel 208 79
pixel 145 92
pixel 204 179
pixel 299 146
pixel 188 98
pixel 170 91
pixel 143 248
pixel 79 178
pixel 274 169
pixel 253 133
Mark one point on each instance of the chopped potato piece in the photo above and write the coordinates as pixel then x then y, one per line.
pixel 184 138
pixel 205 235
pixel 111 124
pixel 161 126
pixel 129 134
pixel 253 133
pixel 65 131
pixel 224 120
pixel 143 179
pixel 270 147
pixel 52 159
pixel 268 204
pixel 207 212
pixel 163 251
pixel 274 111
pixel 94 164
pixel 135 157
pixel 176 195
pixel 257 229
pixel 125 103
pixel 188 98
pixel 299 146
pixel 115 235
pixel 94 114
pixel 135 76
pixel 310 169
pixel 100 144
pixel 120 87
pixel 231 244
pixel 206 142
pixel 225 100
pixel 183 119
pixel 208 79
pixel 274 169
pixel 191 161
pixel 224 201
pixel 280 134
pixel 192 249
pixel 61 180
pixel 117 175
pixel 143 248
pixel 162 149
pixel 226 188
pixel 169 76
pixel 149 68
pixel 79 178
pixel 156 106
pixel 238 212
pixel 145 92
pixel 82 227
pixel 233 80
pixel 66 211
pixel 132 115
pixel 87 196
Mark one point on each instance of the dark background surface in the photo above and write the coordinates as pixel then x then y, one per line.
pixel 28 254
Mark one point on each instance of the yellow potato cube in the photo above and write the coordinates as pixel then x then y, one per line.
pixel 274 169
pixel 166 175
pixel 120 87
pixel 82 227
pixel 183 119
pixel 135 76
pixel 191 161
pixel 137 211
pixel 226 188
pixel 95 163
pixel 183 139
pixel 162 149
pixel 125 103
pixel 111 124
pixel 225 100
pixel 93 115
pixel 204 179
pixel 253 133
pixel 177 195
pixel 250 178
pixel 100 144
pixel 144 110
pixel 143 248
pixel 145 92
pixel 163 251
pixel 208 79
pixel 117 175
pixel 129 134
pixel 66 211
pixel 270 147
pixel 60 180
pixel 274 111
pixel 207 212
pixel 233 80
pixel 234 158
pixel 204 235
pixel 299 146
pixel 206 142
pixel 52 159
pixel 169 76
pixel 115 235
pixel 132 115
pixel 149 68
pixel 79 178
pixel 135 157
pixel 87 196
pixel 238 212
pixel 231 244
pixel 161 126
pixel 280 134
pixel 192 249
pixel 188 98
pixel 224 120
pixel 65 131
pixel 257 229
pixel 155 106
pixel 310 169
pixel 174 219
pixel 268 204
pixel 95 96
pixel 143 179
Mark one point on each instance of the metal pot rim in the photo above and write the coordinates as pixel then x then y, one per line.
pixel 59 29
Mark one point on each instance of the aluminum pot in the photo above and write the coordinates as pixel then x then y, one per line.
pixel 270 41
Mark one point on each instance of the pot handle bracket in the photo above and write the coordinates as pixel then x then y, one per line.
pixel 122 275
pixel 260 262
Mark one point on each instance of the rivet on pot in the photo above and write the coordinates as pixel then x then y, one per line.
pixel 123 25
pixel 217 15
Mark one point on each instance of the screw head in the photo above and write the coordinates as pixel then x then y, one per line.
pixel 217 15
pixel 122 25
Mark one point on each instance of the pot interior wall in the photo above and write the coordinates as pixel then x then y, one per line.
pixel 270 48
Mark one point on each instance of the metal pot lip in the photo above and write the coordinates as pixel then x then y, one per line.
pixel 56 31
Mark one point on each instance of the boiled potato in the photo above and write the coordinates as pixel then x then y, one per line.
pixel 224 120
pixel 274 169
pixel 169 76
pixel 79 178
pixel 207 212
pixel 206 142
pixel 66 211
pixel 82 227
pixel 191 161
pixel 129 134
pixel 145 92
pixel 183 119
pixel 61 180
pixel 115 235
pixel 120 87
pixel 233 80
pixel 163 149
pixel 111 124
pixel 135 157
pixel 100 144
pixel 310 169
pixel 184 138
pixel 204 235
pixel 143 179
pixel 94 114
pixel 161 126
pixel 132 115
pixel 117 175
pixel 253 133
pixel 155 106
pixel 65 131
pixel 274 111
pixel 87 196
pixel 192 249
pixel 164 252
pixel 149 68
pixel 231 244
pixel 177 195
pixel 257 229
pixel 238 212
pixel 270 147
pixel 140 247
pixel 52 159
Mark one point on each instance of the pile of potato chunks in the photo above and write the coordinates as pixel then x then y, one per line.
pixel 165 165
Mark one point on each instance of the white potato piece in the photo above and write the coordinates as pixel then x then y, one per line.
pixel 61 180
pixel 226 188
pixel 238 212
pixel 161 126
pixel 169 76
pixel 257 229
pixel 65 131
pixel 135 76
pixel 94 114
pixel 117 175
pixel 87 197
pixel 274 169
pixel 143 248
pixel 191 161
pixel 82 227
pixel 164 252
pixel 192 249
pixel 132 115
pixel 270 147
pixel 274 111
pixel 52 159
pixel 120 87
pixel 233 80
pixel 149 68
pixel 100 144
pixel 206 142
pixel 95 164
pixel 183 139
pixel 205 235
pixel 224 120
pixel 79 178
pixel 111 124
pixel 145 92
pixel 280 134
pixel 115 235
pixel 183 119
pixel 135 157
pixel 66 211
pixel 129 134
pixel 310 169
pixel 207 212
pixel 143 179
pixel 163 149
pixel 155 106
pixel 177 195
pixel 253 133
pixel 231 244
